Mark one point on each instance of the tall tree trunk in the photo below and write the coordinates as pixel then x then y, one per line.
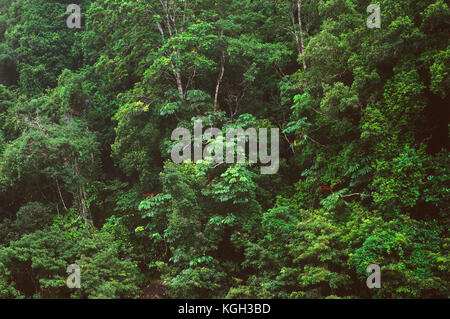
pixel 83 205
pixel 177 74
pixel 170 23
pixel 302 42
pixel 219 80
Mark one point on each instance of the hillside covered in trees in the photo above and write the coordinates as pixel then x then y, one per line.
pixel 86 176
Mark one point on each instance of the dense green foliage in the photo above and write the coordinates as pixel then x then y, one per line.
pixel 86 117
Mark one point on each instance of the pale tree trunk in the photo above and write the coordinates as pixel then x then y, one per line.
pixel 302 42
pixel 85 214
pixel 219 80
pixel 179 82
pixel 83 205
pixel 60 195
pixel 175 71
pixel 173 30
pixel 295 32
